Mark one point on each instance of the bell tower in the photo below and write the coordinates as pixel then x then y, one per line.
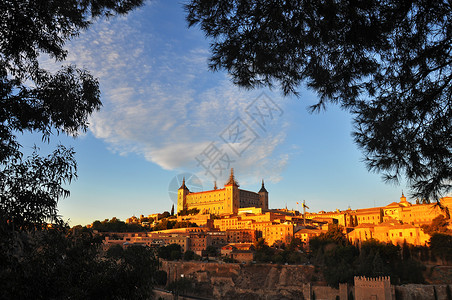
pixel 232 196
pixel 263 197
pixel 182 193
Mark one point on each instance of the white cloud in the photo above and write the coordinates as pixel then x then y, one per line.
pixel 161 102
pixel 174 156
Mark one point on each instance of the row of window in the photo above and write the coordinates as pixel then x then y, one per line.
pixel 368 218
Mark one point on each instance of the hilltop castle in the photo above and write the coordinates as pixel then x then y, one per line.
pixel 227 200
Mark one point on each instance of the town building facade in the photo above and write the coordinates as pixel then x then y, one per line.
pixel 231 216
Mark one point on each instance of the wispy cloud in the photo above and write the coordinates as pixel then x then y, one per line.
pixel 161 102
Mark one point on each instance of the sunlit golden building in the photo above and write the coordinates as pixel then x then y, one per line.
pixel 278 233
pixel 389 232
pixel 227 200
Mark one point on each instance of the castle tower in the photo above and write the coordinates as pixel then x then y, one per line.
pixel 263 197
pixel 182 193
pixel 232 196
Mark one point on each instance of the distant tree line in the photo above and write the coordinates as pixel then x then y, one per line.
pixel 186 211
pixel 280 253
pixel 116 225
pixel 172 224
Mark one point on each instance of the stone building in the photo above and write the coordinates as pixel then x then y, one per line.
pixel 420 214
pixel 240 235
pixel 275 233
pixel 389 232
pixel 402 212
pixel 227 200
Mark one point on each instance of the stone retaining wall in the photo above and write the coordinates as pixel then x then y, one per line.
pixel 271 281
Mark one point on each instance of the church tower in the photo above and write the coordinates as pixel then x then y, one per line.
pixel 403 198
pixel 263 197
pixel 403 201
pixel 182 193
pixel 232 196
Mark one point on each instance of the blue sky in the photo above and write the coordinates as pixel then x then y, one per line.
pixel 164 112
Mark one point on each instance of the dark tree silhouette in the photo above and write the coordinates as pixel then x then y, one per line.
pixel 72 265
pixel 171 252
pixel 388 63
pixel 439 225
pixel 441 246
pixel 33 99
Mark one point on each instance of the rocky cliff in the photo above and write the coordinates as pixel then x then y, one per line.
pixel 249 281
pixel 270 281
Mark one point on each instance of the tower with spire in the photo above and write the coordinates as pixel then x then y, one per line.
pixel 232 195
pixel 232 180
pixel 403 201
pixel 263 196
pixel 182 193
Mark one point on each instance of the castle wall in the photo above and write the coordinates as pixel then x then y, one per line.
pixel 214 207
pixel 271 281
pixel 219 201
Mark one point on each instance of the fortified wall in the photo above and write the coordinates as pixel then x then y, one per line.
pixel 271 281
